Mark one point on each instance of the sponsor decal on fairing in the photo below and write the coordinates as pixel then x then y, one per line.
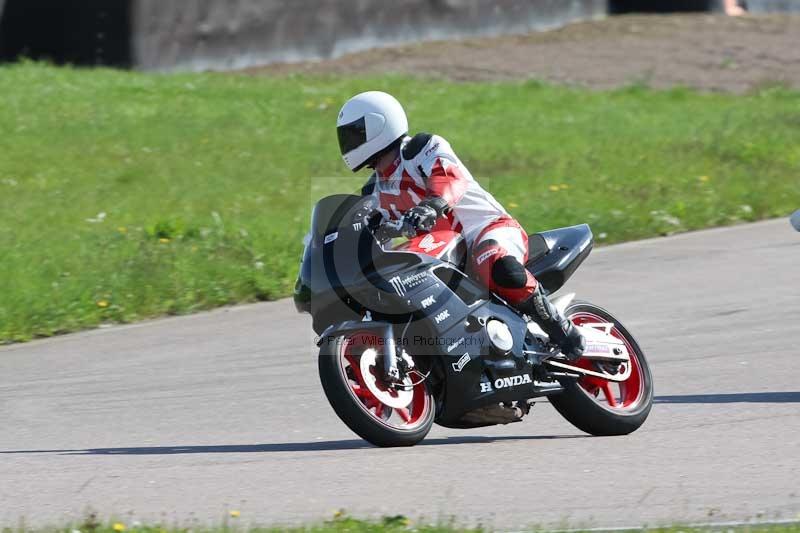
pixel 455 345
pixel 331 237
pixel 505 383
pixel 459 365
pixel 427 302
pixel 441 317
pixel 401 286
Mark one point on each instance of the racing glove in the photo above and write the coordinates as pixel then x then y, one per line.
pixel 422 217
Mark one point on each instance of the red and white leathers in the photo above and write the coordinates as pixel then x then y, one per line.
pixel 489 230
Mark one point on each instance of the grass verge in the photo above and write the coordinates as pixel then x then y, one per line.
pixel 128 195
pixel 395 524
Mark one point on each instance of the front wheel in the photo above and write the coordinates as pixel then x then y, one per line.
pixel 351 373
pixel 601 407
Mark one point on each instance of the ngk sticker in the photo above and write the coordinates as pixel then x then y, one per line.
pixel 441 317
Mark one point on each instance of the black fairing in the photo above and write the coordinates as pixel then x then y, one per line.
pixel 434 311
pixel 457 255
pixel 344 271
pixel 556 255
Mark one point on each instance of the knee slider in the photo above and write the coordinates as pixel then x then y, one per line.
pixel 508 273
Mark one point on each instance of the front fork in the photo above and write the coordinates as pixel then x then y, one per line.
pixel 391 372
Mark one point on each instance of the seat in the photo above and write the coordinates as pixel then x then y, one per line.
pixel 555 255
pixel 537 247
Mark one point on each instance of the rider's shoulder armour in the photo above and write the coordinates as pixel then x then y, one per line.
pixel 415 145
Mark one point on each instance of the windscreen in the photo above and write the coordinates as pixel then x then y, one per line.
pixel 332 212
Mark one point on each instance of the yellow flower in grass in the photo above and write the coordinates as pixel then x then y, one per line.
pixel 102 304
pixel 234 513
pixel 122 229
pixel 163 240
pixel 119 526
pixel 704 179
pixel 513 205
pixel 563 186
pixel 554 188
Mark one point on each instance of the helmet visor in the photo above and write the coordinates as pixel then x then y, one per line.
pixel 352 135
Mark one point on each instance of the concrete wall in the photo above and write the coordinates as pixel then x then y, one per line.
pixel 774 6
pixel 221 34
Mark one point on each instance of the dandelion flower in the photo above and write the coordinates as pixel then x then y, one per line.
pixel 102 304
pixel 563 186
pixel 704 178
pixel 163 240
pixel 122 229
pixel 513 205
pixel 234 513
pixel 554 188
pixel 119 526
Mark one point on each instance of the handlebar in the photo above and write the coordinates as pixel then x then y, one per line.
pixel 395 228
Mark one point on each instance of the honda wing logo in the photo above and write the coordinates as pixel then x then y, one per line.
pixel 429 243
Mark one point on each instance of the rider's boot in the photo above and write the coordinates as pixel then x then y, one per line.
pixel 561 331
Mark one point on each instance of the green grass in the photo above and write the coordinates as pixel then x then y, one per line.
pixel 127 195
pixel 346 524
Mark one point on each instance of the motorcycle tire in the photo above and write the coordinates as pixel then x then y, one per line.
pixel 361 410
pixel 585 402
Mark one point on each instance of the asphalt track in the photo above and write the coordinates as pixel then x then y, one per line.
pixel 186 418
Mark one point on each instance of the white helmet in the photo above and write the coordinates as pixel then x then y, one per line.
pixel 368 124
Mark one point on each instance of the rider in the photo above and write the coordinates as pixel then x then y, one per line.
pixel 421 180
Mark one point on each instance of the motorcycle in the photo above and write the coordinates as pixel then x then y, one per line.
pixel 406 338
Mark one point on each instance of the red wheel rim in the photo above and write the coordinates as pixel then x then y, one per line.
pixel 405 418
pixel 616 396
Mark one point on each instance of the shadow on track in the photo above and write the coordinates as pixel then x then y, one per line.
pixel 316 446
pixel 744 397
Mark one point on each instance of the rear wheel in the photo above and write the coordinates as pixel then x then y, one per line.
pixel 598 406
pixel 351 371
